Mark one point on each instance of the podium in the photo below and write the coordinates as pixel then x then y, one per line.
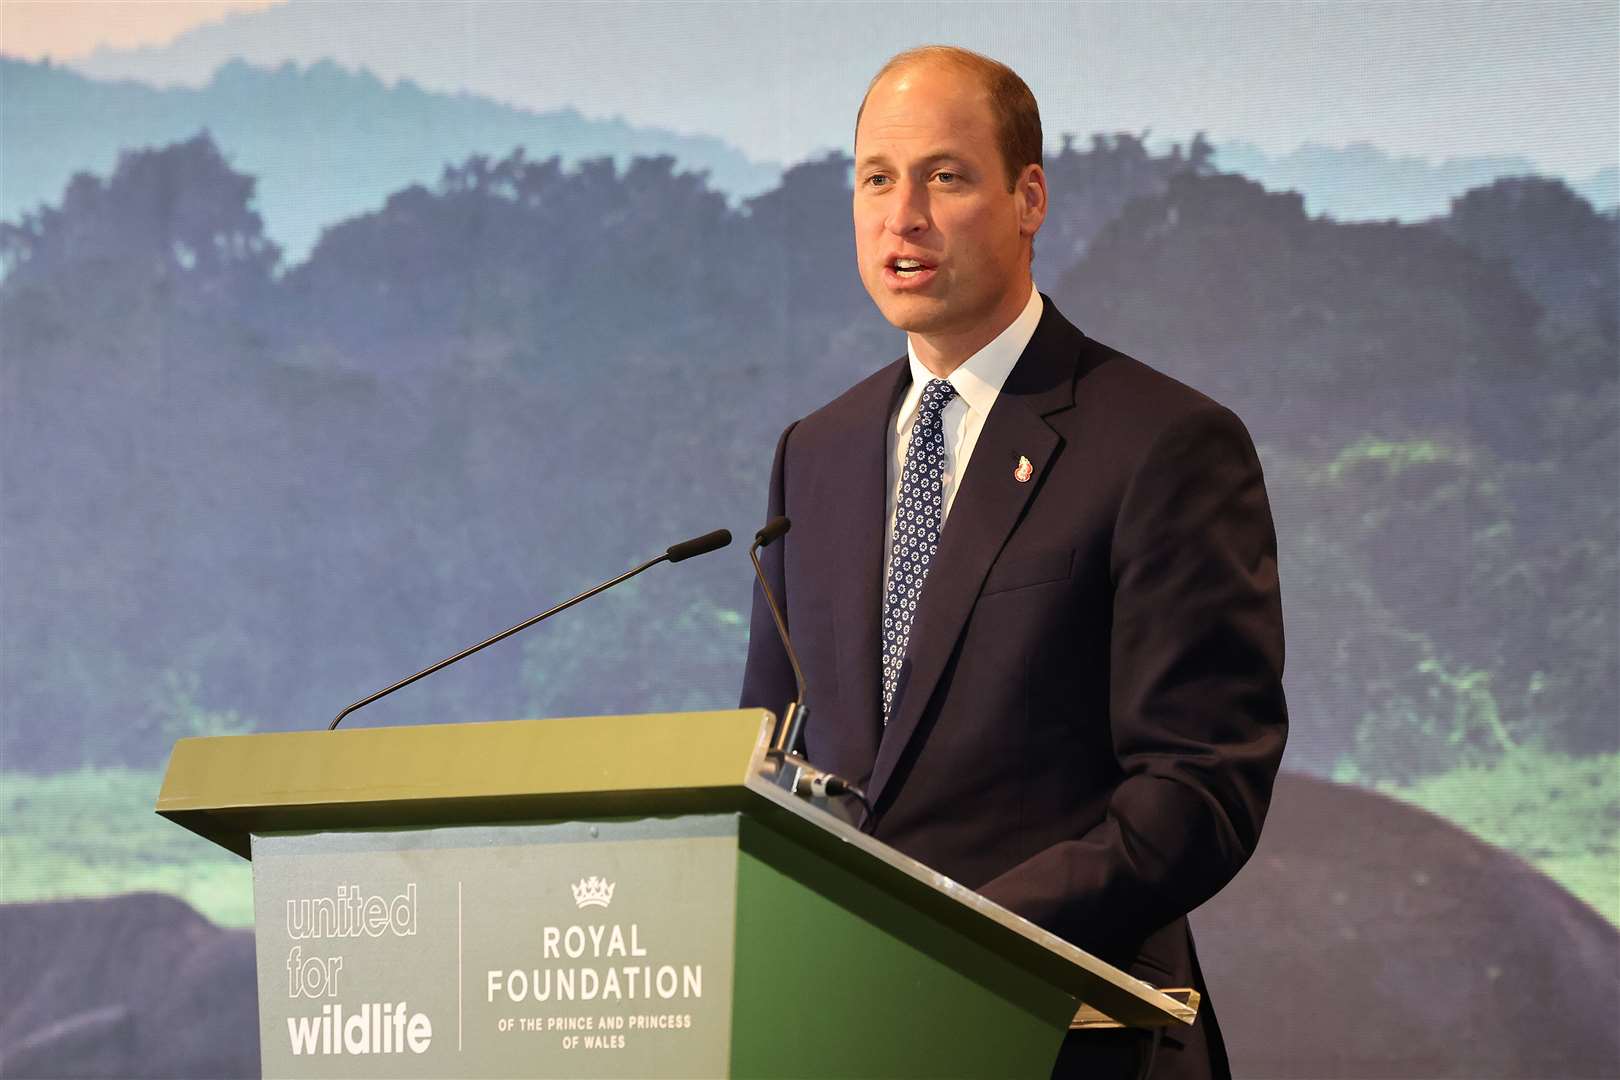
pixel 616 896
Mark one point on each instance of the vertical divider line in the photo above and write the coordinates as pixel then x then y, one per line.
pixel 458 966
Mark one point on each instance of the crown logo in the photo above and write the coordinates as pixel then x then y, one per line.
pixel 592 892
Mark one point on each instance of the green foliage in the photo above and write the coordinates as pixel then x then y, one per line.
pixel 1430 720
pixel 1557 812
pixel 1437 621
pixel 241 495
pixel 1394 457
pixel 92 832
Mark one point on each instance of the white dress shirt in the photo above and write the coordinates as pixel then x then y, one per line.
pixel 978 381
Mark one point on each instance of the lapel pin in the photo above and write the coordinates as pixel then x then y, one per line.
pixel 1024 471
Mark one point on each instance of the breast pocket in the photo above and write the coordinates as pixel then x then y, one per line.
pixel 1028 570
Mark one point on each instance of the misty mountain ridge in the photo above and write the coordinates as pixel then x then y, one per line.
pixel 1361 182
pixel 324 142
pixel 327 143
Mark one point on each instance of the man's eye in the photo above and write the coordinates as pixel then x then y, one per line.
pixel 946 177
pixel 877 181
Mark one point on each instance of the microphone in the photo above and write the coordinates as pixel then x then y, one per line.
pixel 698 545
pixel 774 529
pixel 686 549
pixel 793 772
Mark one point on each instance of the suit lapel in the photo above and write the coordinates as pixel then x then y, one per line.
pixel 988 505
pixel 861 488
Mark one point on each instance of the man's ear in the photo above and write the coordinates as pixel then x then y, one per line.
pixel 1030 191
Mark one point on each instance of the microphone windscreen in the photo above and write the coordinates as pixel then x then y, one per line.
pixel 699 545
pixel 774 529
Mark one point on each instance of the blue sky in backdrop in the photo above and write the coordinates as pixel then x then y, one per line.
pixel 1274 74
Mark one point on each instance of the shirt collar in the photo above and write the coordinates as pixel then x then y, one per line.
pixel 979 378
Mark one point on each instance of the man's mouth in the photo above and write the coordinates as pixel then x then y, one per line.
pixel 904 271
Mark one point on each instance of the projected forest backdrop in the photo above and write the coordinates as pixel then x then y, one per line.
pixel 244 485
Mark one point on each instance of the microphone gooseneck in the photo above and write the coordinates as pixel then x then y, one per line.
pixel 686 549
pixel 787 733
pixel 793 772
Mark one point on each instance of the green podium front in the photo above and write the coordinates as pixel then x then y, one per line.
pixel 624 896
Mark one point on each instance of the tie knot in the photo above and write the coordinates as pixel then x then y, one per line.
pixel 936 395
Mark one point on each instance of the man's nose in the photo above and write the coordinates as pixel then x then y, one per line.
pixel 908 210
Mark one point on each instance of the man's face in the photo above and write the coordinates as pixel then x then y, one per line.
pixel 943 246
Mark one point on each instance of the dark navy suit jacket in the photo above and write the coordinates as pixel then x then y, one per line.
pixel 1091 712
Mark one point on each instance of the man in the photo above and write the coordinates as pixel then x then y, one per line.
pixel 1032 582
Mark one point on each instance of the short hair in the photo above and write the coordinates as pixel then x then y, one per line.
pixel 1012 105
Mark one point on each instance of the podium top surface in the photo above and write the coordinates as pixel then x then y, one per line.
pixel 449 774
pixel 227 788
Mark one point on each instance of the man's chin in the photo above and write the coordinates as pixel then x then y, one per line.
pixel 913 313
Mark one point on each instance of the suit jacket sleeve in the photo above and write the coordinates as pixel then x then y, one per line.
pixel 768 677
pixel 1197 716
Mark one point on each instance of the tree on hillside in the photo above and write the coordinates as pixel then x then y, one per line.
pixel 1564 252
pixel 131 325
pixel 171 227
pixel 523 263
pixel 820 331
pixel 1236 290
pixel 1090 187
pixel 799 247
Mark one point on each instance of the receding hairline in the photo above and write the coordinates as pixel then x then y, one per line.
pixel 946 56
pixel 993 78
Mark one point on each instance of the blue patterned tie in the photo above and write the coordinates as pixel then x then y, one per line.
pixel 919 509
